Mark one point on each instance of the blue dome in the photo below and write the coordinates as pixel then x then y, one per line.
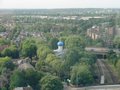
pixel 60 43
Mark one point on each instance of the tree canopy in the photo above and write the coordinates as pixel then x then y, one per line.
pixel 29 48
pixel 81 75
pixel 49 82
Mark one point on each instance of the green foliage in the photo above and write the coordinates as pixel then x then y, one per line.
pixel 17 80
pixel 15 32
pixel 81 75
pixel 29 48
pixel 4 42
pixel 71 57
pixel 57 66
pixel 72 32
pixel 88 58
pixel 55 63
pixel 40 42
pixel 40 65
pixel 117 42
pixel 112 57
pixel 50 58
pixel 98 42
pixel 112 20
pixel 4 63
pixel 9 65
pixel 11 51
pixel 118 67
pixel 4 59
pixel 74 41
pixel 24 78
pixel 3 88
pixel 49 82
pixel 53 43
pixel 32 78
pixel 2 28
pixel 42 52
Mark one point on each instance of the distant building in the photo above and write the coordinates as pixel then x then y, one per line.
pixel 94 32
pixel 97 32
pixel 103 32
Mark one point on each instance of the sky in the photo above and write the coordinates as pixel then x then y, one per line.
pixel 50 4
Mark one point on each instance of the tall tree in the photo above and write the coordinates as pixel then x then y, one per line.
pixel 75 41
pixel 81 75
pixel 17 80
pixel 50 82
pixel 43 51
pixel 29 48
pixel 32 78
pixel 53 43
pixel 11 51
pixel 116 42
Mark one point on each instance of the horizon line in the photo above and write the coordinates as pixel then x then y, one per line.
pixel 61 8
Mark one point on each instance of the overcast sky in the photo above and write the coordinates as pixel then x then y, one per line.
pixel 11 4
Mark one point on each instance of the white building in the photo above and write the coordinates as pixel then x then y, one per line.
pixel 60 51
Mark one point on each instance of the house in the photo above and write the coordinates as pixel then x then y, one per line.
pixel 94 32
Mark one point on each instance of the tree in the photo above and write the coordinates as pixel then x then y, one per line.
pixel 29 48
pixel 4 41
pixel 40 65
pixel 6 52
pixel 81 75
pixel 118 67
pixel 9 65
pixel 3 62
pixel 3 88
pixel 112 57
pixel 75 41
pixel 88 58
pixel 32 78
pixel 2 28
pixel 55 63
pixel 71 57
pixel 15 31
pixel 51 57
pixel 50 82
pixel 53 43
pixel 17 80
pixel 4 59
pixel 43 51
pixel 11 51
pixel 116 42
